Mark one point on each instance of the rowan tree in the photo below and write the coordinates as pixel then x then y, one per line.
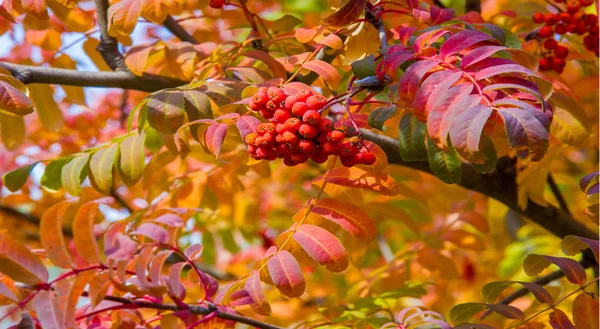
pixel 299 164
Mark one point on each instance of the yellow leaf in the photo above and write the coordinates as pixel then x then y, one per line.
pixel 46 107
pixel 72 174
pixel 90 46
pixel 123 17
pixel 132 158
pixel 154 10
pixel 18 263
pixel 83 233
pixel 101 167
pixel 51 235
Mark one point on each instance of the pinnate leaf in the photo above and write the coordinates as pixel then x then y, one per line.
pixel 52 237
pixel 286 274
pixel 247 124
pixel 446 165
pixel 131 158
pixel 152 231
pixel 575 273
pixel 560 320
pixel 73 174
pixel 322 246
pixel 18 263
pixel 585 311
pixel 541 294
pixel 15 179
pixel 214 137
pixel 507 311
pixel 348 216
pixel 123 17
pixel 492 290
pixel 48 311
pixel 525 132
pixel 326 71
pixel 466 131
pixel 346 14
pixel 52 178
pixel 101 167
pixel 379 116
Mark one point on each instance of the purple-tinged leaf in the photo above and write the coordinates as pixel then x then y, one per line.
pixel 573 271
pixel 560 320
pixel 537 112
pixel 174 285
pixel 461 41
pixel 525 132
pixel 247 124
pixel 211 284
pixel 502 69
pixel 229 116
pixel 466 131
pixel 443 115
pixel 421 15
pixel 322 246
pixel 253 286
pixel 123 248
pixel 479 54
pixel 240 298
pixel 428 38
pixel 286 274
pixel 141 265
pixel 507 311
pixel 156 267
pixel 396 56
pixel 429 93
pixel 572 245
pixel 193 251
pixel 409 83
pixel 541 294
pixel 440 15
pixel 153 232
pixel 587 179
pixel 214 137
pixel 169 220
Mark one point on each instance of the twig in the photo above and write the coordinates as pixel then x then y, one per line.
pixel 194 309
pixel 120 200
pixel 108 47
pixel 178 30
pixel 377 22
pixel 559 197
pixel 29 218
pixel 544 280
pixel 120 79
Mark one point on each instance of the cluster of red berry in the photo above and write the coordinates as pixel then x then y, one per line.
pixel 297 131
pixel 217 4
pixel 571 21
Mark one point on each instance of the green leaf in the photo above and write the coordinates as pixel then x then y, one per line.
pixel 153 140
pixel 51 180
pixel 492 290
pixel 132 158
pixel 411 135
pixel 488 150
pixel 15 179
pixel 463 312
pixel 446 165
pixel 378 117
pixel 101 165
pixel 365 67
pixel 73 174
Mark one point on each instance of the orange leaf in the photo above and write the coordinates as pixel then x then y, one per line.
pixel 363 178
pixel 154 10
pixel 585 311
pixel 276 68
pixel 464 239
pixel 83 233
pixel 434 261
pixel 346 14
pixel 81 281
pixel 349 216
pixel 322 246
pixel 325 71
pixel 51 235
pixel 559 320
pixel 123 17
pixel 286 274
pixel 332 40
pixel 36 8
pixel 18 263
pixel 13 101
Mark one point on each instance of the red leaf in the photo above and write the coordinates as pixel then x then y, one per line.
pixel 501 69
pixel 395 57
pixel 462 40
pixel 466 130
pixel 409 83
pixel 441 117
pixel 286 274
pixel 559 320
pixel 525 132
pixel 247 124
pixel 432 91
pixel 322 246
pixel 585 311
pixel 507 311
pixel 175 286
pixel 253 286
pixel 274 66
pixel 574 272
pixel 346 14
pixel 36 8
pixel 479 54
pixel 349 216
pixel 214 137
pixel 13 101
pixel 325 71
pixel 363 178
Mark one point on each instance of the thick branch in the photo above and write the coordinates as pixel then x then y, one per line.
pixel 109 46
pixel 500 185
pixel 120 79
pixel 195 309
pixel 178 31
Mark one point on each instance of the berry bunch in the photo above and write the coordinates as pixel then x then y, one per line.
pixel 297 131
pixel 573 20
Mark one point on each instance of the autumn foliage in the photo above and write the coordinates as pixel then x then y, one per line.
pixel 299 164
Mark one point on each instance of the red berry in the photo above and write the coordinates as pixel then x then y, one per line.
pixel 560 28
pixel 325 125
pixel 281 115
pixel 330 147
pixel 561 52
pixel 557 63
pixel 538 18
pixel 591 42
pixel 348 149
pixel 311 117
pixel 565 17
pixel 316 102
pixel 572 28
pixel 266 114
pixel 581 29
pixel 544 64
pixel 299 109
pixel 263 128
pixel 254 107
pixel 271 106
pixel 586 3
pixel 293 124
pixel 260 98
pixel 290 138
pixel 368 158
pixel 545 32
pixel 307 146
pixel 591 19
pixel 348 161
pixel 319 157
pixel 266 153
pixel 275 94
pixel 217 4
pixel 593 30
pixel 335 136
pixel 550 44
pixel 262 90
pixel 298 158
pixel 269 139
pixel 551 19
pixel 573 6
pixel 303 95
pixel 289 102
pixel 308 131
pixel 251 149
pixel 281 149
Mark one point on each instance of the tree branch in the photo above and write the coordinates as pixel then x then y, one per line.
pixel 500 185
pixel 109 46
pixel 195 309
pixel 119 79
pixel 559 197
pixel 178 30
pixel 29 218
